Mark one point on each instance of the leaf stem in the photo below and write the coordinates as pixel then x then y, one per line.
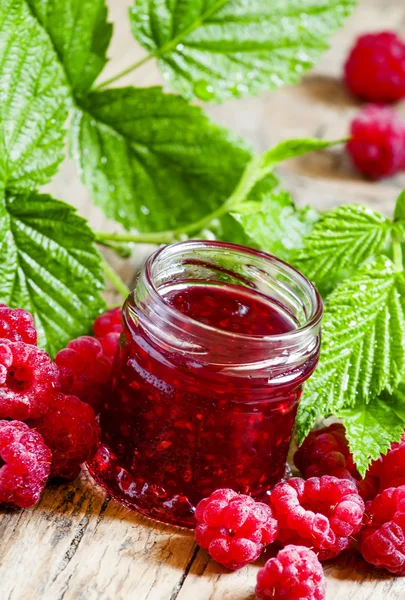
pixel 122 250
pixel 397 252
pixel 115 279
pixel 165 237
pixel 201 223
pixel 126 71
pixel 159 237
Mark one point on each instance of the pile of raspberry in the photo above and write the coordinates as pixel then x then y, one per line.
pixel 48 424
pixel 375 72
pixel 313 519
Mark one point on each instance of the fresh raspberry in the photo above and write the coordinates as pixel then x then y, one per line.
pixel 17 325
pixel 326 452
pixel 84 370
pixel 321 512
pixel 28 380
pixel 234 528
pixel 108 322
pixel 107 328
pixel 70 429
pixel 390 469
pixel 382 539
pixel 377 144
pixel 375 68
pixel 26 463
pixel 296 574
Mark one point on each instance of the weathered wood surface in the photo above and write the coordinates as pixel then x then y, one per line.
pixel 76 544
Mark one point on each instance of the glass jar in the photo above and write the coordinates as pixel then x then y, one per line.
pixel 218 340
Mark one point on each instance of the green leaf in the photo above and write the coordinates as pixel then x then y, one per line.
pixel 262 166
pixel 33 100
pixel 219 49
pixel 274 223
pixel 399 213
pixel 151 160
pixel 227 229
pixel 396 400
pixel 80 34
pixel 49 266
pixel 371 428
pixel 362 349
pixel 291 149
pixel 266 211
pixel 343 239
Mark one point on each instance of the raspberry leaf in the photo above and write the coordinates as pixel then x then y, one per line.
pixel 362 347
pixel 80 34
pixel 262 166
pixel 264 209
pixel 371 428
pixel 163 165
pixel 272 221
pixel 224 49
pixel 49 266
pixel 399 213
pixel 343 239
pixel 33 100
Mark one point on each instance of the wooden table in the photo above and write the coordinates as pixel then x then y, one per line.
pixel 77 544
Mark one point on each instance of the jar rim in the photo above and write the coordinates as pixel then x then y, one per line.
pixel 312 322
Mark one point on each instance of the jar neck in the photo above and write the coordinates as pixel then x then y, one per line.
pixel 225 264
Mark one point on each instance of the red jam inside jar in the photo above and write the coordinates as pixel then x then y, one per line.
pixel 218 340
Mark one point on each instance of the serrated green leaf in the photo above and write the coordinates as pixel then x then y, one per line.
pixel 274 223
pixel 371 428
pixel 396 400
pixel 219 49
pixel 33 100
pixel 362 349
pixel 151 160
pixel 80 34
pixel 49 266
pixel 291 149
pixel 399 213
pixel 226 229
pixel 261 167
pixel 343 239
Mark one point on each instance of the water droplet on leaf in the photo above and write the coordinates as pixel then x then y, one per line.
pixel 203 90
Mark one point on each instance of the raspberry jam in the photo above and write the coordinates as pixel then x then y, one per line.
pixel 218 340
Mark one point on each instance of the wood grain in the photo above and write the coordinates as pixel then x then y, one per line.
pixel 77 544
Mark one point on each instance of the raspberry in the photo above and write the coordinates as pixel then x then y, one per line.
pixel 320 512
pixel 108 322
pixel 377 144
pixel 390 469
pixel 107 328
pixel 234 528
pixel 70 429
pixel 84 370
pixel 326 452
pixel 17 325
pixel 296 574
pixel 26 463
pixel 28 380
pixel 382 539
pixel 375 68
